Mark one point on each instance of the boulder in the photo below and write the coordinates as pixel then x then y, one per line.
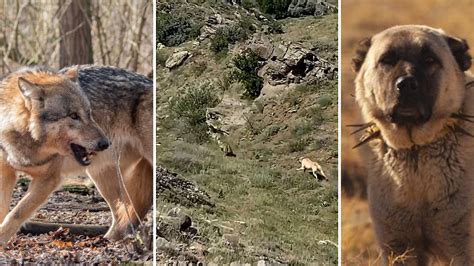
pixel 177 59
pixel 262 46
pixel 225 116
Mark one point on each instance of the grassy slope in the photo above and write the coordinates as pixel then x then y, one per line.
pixel 271 208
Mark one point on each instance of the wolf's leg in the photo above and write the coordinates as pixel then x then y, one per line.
pixel 138 179
pixel 7 183
pixel 139 183
pixel 38 192
pixel 108 184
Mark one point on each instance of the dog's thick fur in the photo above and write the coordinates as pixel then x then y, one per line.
pixel 420 185
pixel 315 168
pixel 53 123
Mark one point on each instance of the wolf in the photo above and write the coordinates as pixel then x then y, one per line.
pixel 315 168
pixel 84 119
pixel 414 91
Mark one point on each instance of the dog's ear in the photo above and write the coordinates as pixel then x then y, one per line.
pixel 459 49
pixel 71 74
pixel 30 91
pixel 361 52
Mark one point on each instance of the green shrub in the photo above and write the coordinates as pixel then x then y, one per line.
pixel 270 131
pixel 227 35
pixel 190 109
pixel 247 65
pixel 174 30
pixel 324 101
pixel 302 128
pixel 266 179
pixel 247 26
pixel 274 7
pixel 316 114
pixel 248 4
pixel 220 42
pixel 275 26
pixel 297 145
pixel 161 57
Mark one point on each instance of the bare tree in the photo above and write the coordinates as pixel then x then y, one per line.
pixel 75 46
pixel 31 33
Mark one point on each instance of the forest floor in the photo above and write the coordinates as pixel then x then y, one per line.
pixel 74 205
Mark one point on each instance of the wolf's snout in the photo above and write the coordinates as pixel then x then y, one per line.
pixel 406 85
pixel 103 144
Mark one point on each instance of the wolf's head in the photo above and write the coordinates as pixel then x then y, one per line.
pixel 410 82
pixel 60 115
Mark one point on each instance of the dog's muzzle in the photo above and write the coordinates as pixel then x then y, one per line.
pixel 412 107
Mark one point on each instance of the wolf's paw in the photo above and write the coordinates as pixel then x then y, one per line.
pixel 113 234
pixel 4 237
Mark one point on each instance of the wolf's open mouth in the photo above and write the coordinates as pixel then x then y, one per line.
pixel 82 155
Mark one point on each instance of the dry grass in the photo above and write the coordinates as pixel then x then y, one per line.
pixel 362 19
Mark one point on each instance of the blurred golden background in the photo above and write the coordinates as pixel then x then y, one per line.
pixel 362 19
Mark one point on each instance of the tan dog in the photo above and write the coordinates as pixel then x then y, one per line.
pixel 315 168
pixel 411 87
pixel 85 119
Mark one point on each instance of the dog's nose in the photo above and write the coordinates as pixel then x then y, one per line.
pixel 406 84
pixel 103 144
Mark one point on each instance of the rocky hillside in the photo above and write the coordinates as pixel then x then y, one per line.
pixel 245 88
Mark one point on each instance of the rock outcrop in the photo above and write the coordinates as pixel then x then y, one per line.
pixel 318 8
pixel 177 59
pixel 287 62
pixel 179 190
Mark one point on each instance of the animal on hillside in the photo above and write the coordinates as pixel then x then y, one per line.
pixel 315 168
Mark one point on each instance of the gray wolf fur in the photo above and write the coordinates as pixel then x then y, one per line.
pixel 411 88
pixel 78 120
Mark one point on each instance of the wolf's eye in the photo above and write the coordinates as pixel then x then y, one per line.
pixel 74 116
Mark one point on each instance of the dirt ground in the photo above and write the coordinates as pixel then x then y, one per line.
pixel 362 19
pixel 73 205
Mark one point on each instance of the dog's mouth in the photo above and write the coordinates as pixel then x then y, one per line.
pixel 409 115
pixel 81 154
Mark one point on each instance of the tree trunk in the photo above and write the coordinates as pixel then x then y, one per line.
pixel 75 46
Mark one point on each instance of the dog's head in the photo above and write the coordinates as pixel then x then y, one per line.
pixel 60 115
pixel 410 81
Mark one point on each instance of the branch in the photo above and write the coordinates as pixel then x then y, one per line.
pixel 38 228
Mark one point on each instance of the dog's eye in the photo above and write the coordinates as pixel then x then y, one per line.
pixel 389 60
pixel 74 116
pixel 429 60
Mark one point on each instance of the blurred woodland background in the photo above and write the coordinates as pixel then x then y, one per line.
pixel 59 33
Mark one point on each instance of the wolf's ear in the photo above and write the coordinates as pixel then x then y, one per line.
pixel 71 74
pixel 459 49
pixel 361 52
pixel 30 91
